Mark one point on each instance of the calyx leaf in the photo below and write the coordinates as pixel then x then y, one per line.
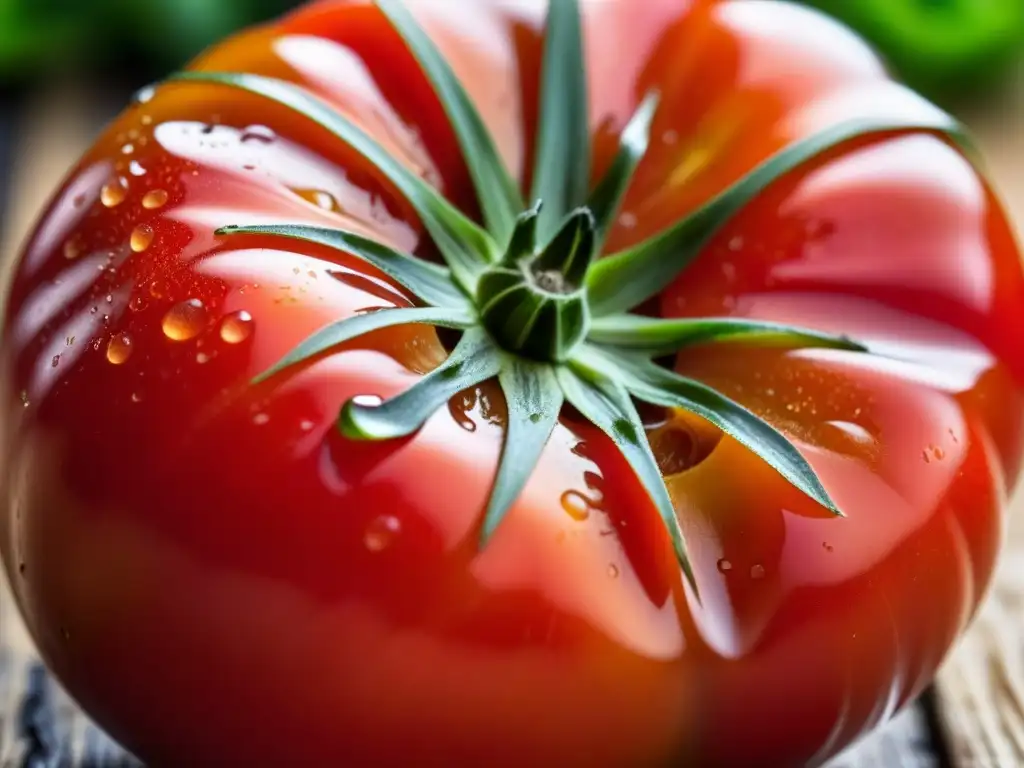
pixel 626 279
pixel 498 194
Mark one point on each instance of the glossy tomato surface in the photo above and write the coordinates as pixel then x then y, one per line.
pixel 220 578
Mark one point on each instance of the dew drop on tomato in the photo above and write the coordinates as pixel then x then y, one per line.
pixel 155 198
pixel 184 321
pixel 119 348
pixel 381 532
pixel 236 327
pixel 141 238
pixel 724 565
pixel 113 193
pixel 576 505
pixel 757 572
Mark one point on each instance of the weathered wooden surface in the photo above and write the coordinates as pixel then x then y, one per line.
pixel 975 717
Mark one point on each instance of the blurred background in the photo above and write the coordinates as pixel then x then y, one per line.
pixel 68 66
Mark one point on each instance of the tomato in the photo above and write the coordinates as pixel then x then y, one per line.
pixel 221 571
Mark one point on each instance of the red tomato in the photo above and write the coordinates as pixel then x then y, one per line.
pixel 219 577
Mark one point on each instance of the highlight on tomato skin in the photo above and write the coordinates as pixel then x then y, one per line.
pixel 222 569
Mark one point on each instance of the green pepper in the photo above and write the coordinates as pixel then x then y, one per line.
pixel 945 49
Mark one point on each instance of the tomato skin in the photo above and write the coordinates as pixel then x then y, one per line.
pixel 218 576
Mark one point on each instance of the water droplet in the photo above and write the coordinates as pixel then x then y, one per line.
pixel 367 401
pixel 202 358
pixel 73 248
pixel 724 565
pixel 141 238
pixel 736 244
pixel 306 425
pixel 938 453
pixel 55 361
pixel 627 220
pixel 926 456
pixel 146 119
pixel 613 571
pixel 136 169
pixel 576 505
pixel 260 419
pixel 136 397
pixel 127 149
pixel 119 348
pixel 185 320
pixel 113 193
pixel 827 547
pixel 155 198
pixel 144 95
pixel 381 532
pixel 24 398
pixel 670 137
pixel 757 572
pixel 260 133
pixel 138 303
pixel 318 197
pixel 236 327
pixel 157 289
pixel 536 417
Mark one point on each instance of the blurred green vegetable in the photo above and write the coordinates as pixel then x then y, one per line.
pixel 40 36
pixel 946 49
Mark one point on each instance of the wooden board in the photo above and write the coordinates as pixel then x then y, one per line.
pixel 973 719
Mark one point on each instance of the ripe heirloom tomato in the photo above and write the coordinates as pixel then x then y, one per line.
pixel 324 445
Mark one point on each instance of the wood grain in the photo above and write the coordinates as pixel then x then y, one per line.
pixel 979 699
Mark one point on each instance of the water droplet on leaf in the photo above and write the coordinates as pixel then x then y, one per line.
pixel 367 401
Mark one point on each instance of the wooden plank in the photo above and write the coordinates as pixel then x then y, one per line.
pixel 982 686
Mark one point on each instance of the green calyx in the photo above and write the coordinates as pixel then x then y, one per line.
pixel 533 302
pixel 536 306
